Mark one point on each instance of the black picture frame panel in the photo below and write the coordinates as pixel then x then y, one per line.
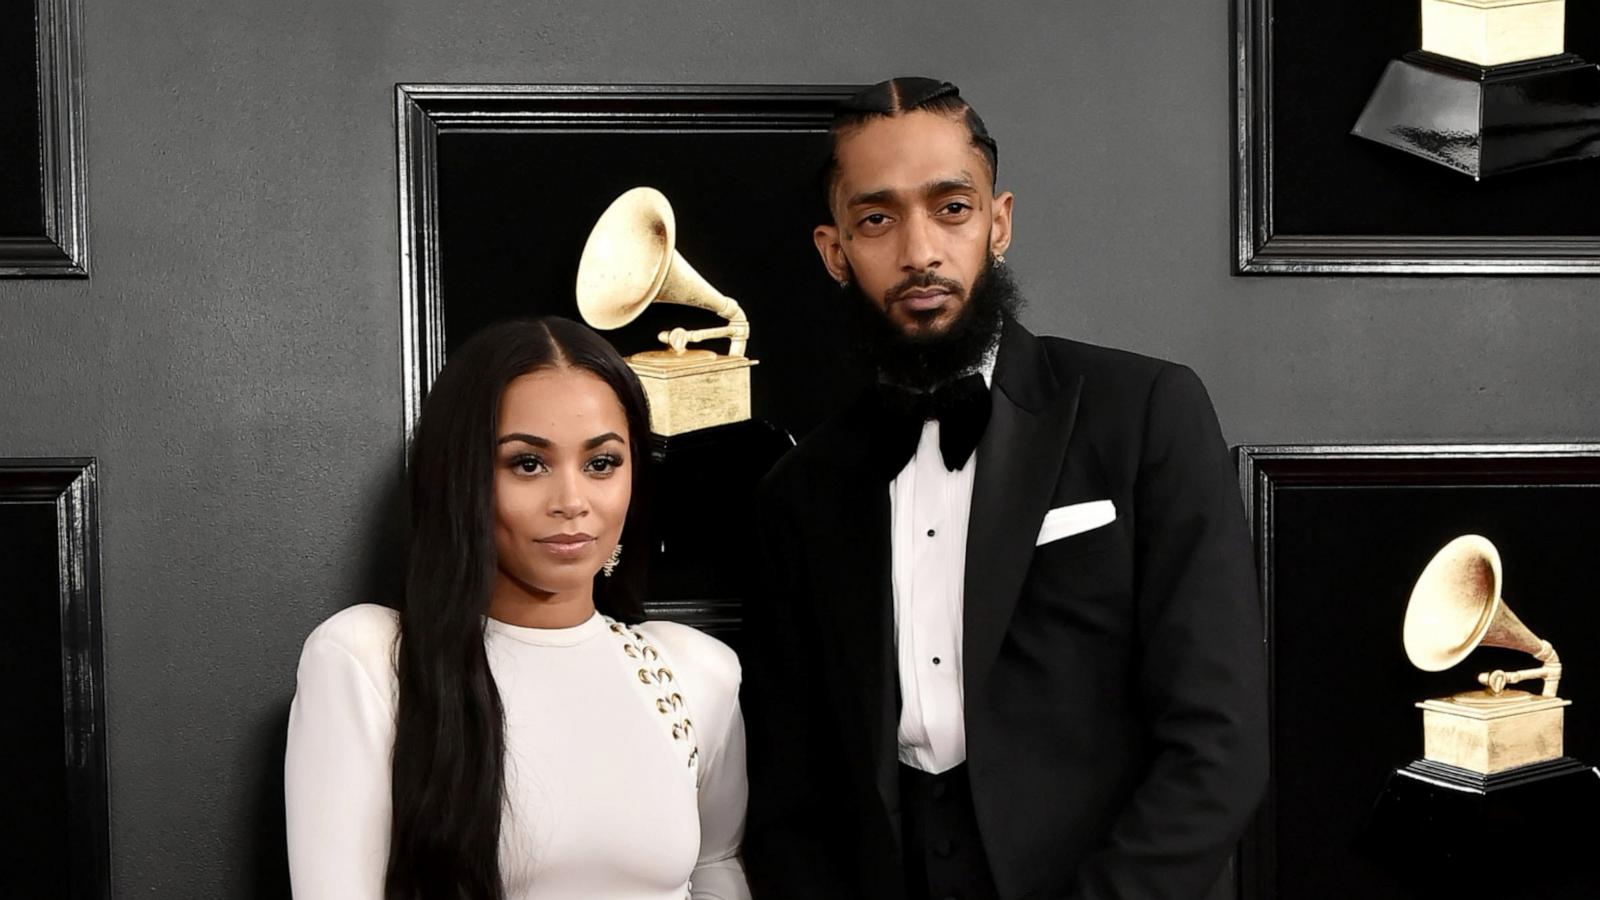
pixel 21 158
pixel 1341 535
pixel 55 763
pixel 33 857
pixel 499 186
pixel 45 232
pixel 1329 182
pixel 1310 198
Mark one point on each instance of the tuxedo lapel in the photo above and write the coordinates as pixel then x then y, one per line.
pixel 1019 461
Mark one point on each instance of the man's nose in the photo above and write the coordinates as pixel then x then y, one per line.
pixel 919 251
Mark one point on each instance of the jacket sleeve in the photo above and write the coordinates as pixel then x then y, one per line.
pixel 792 834
pixel 1201 676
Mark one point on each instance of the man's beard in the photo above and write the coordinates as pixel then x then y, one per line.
pixel 924 361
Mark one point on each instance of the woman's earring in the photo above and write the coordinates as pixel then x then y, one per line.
pixel 999 259
pixel 610 565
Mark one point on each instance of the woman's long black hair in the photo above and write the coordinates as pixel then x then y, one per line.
pixel 449 749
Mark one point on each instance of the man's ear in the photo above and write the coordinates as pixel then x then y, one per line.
pixel 826 237
pixel 1000 231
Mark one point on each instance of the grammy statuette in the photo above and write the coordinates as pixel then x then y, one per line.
pixel 1455 608
pixel 630 262
pixel 1494 767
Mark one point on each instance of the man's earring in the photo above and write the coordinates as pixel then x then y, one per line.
pixel 610 565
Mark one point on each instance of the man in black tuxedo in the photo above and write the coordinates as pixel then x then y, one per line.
pixel 1008 642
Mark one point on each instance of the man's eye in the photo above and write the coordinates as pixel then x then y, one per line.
pixel 956 207
pixel 875 219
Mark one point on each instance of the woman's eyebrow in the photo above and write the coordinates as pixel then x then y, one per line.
pixel 597 440
pixel 533 439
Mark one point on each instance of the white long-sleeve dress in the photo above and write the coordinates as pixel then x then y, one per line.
pixel 624 771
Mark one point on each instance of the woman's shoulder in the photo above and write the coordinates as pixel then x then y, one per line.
pixel 690 648
pixel 707 669
pixel 365 632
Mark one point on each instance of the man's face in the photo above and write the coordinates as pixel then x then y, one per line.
pixel 916 219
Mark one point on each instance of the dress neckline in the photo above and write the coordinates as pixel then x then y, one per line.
pixel 570 636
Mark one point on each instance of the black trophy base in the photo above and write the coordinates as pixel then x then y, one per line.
pixel 702 522
pixel 1486 120
pixel 1444 832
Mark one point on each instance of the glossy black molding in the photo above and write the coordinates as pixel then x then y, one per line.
pixel 60 247
pixel 1467 472
pixel 1263 245
pixel 71 486
pixel 424 111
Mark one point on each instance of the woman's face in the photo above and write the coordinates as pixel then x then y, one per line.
pixel 562 482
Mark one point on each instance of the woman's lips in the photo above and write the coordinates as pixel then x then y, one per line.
pixel 566 546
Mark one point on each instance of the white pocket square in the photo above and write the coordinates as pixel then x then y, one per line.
pixel 1065 521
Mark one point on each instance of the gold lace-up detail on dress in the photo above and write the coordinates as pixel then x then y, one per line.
pixel 655 674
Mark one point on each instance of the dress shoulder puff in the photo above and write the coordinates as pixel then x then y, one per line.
pixel 366 632
pixel 709 668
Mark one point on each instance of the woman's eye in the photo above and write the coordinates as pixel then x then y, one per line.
pixel 528 465
pixel 605 465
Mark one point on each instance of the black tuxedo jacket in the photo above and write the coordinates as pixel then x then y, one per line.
pixel 1114 679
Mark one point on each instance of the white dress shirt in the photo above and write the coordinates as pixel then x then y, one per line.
pixel 928 511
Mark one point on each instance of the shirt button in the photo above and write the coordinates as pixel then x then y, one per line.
pixel 942 849
pixel 931 532
pixel 936 660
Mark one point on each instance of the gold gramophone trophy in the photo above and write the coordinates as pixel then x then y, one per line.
pixel 628 263
pixel 1493 764
pixel 1455 608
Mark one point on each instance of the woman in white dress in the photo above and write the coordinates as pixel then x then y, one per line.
pixel 513 731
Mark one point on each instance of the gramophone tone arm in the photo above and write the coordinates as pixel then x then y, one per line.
pixel 738 325
pixel 737 331
pixel 1497 680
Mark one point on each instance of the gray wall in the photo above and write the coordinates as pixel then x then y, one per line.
pixel 234 362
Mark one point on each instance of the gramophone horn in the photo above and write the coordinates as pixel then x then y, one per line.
pixel 1456 607
pixel 1454 603
pixel 629 262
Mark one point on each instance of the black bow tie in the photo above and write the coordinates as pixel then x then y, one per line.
pixel 961 407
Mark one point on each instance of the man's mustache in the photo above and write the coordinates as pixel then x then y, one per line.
pixel 924 280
